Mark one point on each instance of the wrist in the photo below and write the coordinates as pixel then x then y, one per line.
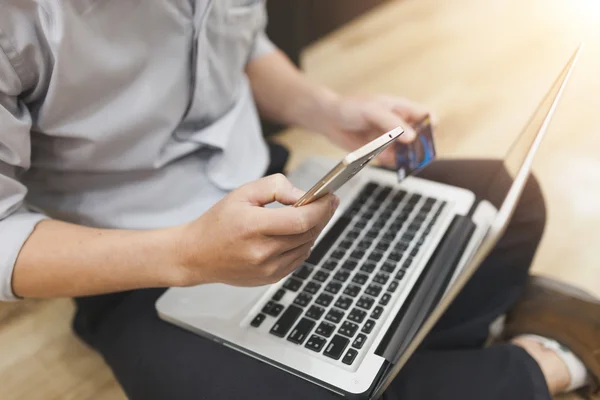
pixel 173 257
pixel 316 110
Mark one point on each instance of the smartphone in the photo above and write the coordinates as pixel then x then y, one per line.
pixel 349 167
pixel 414 156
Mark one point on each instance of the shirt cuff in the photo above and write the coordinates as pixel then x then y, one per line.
pixel 14 231
pixel 262 46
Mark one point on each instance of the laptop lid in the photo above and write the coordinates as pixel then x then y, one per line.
pixel 517 163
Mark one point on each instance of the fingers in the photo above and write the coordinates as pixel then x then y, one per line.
pixel 410 111
pixel 291 260
pixel 296 220
pixel 385 119
pixel 270 189
pixel 290 242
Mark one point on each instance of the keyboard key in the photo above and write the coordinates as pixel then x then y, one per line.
pixel 408 236
pixel 273 309
pixel 349 265
pixel 400 274
pixel 336 347
pixel 393 286
pixel 377 312
pixel 373 234
pixel 258 320
pixel 338 254
pixel 407 263
pixel 348 329
pixel 359 342
pixel 285 322
pixel 383 194
pixel 315 343
pixel 379 224
pixel 398 196
pixel 278 295
pixel 352 234
pixel 334 315
pixel 360 225
pixel 368 326
pixel 368 267
pixel 357 315
pixel 414 199
pixel 395 255
pixel 312 287
pixel 373 290
pixel 350 356
pixel 375 256
pixel 389 236
pixel 301 331
pixel 343 302
pixel 352 290
pixel 346 244
pixel 365 302
pixel 387 214
pixel 357 254
pixel 365 243
pixel 385 299
pixel 368 215
pixel 381 278
pixel 382 246
pixel 330 265
pixel 333 287
pixel 302 299
pixel 389 267
pixel 414 252
pixel 361 279
pixel 292 284
pixel 401 246
pixel 324 300
pixel 321 276
pixel 325 329
pixel 341 276
pixel 315 312
pixel 303 271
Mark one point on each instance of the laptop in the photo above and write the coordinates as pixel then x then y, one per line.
pixel 380 275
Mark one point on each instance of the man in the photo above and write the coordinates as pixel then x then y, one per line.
pixel 130 158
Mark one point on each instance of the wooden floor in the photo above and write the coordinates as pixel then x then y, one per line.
pixel 482 66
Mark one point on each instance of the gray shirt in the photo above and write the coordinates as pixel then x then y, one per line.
pixel 123 113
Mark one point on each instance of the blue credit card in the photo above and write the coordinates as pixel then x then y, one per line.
pixel 413 156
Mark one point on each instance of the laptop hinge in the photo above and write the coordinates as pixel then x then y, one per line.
pixel 428 290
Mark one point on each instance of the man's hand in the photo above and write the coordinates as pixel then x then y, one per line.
pixel 353 122
pixel 284 94
pixel 239 242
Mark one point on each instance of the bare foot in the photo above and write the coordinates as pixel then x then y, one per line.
pixel 555 370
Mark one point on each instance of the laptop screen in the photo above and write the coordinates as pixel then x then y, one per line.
pixel 517 167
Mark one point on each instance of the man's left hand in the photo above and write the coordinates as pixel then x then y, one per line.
pixel 353 121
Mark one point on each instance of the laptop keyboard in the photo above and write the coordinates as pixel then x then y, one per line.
pixel 339 296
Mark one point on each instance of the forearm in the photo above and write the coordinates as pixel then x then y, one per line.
pixel 283 94
pixel 65 260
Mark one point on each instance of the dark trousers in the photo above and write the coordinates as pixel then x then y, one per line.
pixel 155 360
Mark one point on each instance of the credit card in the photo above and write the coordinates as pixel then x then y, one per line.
pixel 413 156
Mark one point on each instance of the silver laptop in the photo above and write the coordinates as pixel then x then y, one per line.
pixel 380 275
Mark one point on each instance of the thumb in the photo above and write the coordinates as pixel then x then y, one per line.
pixel 270 189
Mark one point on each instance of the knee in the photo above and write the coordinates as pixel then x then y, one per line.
pixel 531 209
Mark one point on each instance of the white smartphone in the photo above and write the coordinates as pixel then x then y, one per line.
pixel 348 167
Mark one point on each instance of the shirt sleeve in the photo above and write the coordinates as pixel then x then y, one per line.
pixel 262 46
pixel 16 220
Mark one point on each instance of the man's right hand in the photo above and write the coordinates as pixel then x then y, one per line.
pixel 241 243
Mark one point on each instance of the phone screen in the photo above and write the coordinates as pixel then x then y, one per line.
pixel 413 156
